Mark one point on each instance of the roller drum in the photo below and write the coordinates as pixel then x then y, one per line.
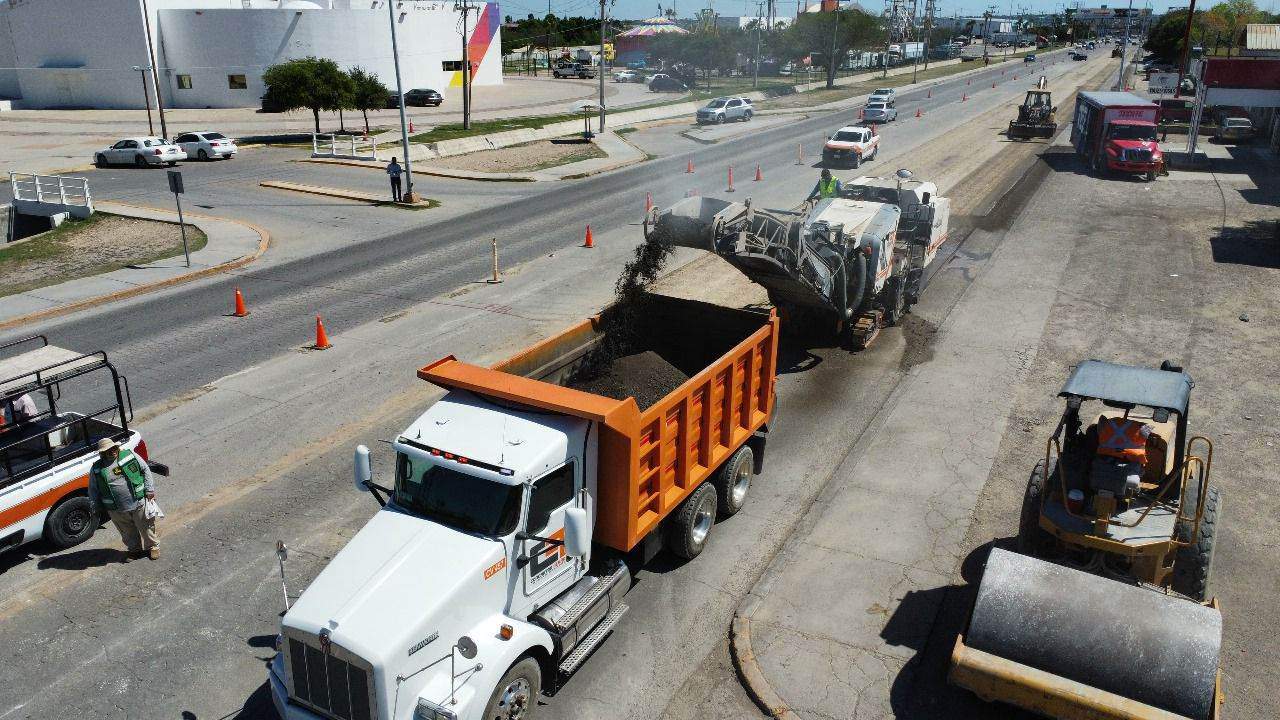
pixel 1135 642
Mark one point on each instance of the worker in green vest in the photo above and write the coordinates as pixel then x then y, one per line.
pixel 121 482
pixel 827 186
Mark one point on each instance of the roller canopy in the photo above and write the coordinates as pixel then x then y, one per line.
pixel 1130 385
pixel 1128 640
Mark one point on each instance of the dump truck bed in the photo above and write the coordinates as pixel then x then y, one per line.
pixel 650 458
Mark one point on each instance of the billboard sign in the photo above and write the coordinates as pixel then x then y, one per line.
pixel 1163 83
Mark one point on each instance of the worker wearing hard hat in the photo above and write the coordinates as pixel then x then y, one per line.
pixel 826 187
pixel 121 482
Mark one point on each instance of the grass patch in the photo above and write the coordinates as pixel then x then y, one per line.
pixel 60 255
pixel 624 130
pixel 453 131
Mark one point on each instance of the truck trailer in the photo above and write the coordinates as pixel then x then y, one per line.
pixel 1116 132
pixel 499 559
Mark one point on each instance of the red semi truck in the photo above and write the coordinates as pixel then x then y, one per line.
pixel 1116 132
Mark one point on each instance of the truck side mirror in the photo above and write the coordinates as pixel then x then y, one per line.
pixel 577 532
pixel 363 473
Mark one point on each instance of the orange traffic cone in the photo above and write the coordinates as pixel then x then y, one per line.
pixel 322 338
pixel 240 311
pixel 590 241
pixel 964 97
pixel 968 81
pixel 993 86
pixel 730 179
pixel 861 113
pixel 648 203
pixel 929 94
pixel 689 168
pixel 410 126
pixel 918 113
pixel 759 175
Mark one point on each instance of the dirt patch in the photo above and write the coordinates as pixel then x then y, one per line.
pixel 919 334
pixel 83 248
pixel 536 155
pixel 645 376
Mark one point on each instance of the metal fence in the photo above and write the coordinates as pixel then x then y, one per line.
pixel 351 147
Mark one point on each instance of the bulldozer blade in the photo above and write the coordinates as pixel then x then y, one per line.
pixel 1120 640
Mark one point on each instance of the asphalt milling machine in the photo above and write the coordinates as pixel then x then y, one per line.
pixel 850 264
pixel 1106 610
pixel 1037 117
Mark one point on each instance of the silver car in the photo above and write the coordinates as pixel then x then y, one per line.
pixel 879 112
pixel 206 145
pixel 725 109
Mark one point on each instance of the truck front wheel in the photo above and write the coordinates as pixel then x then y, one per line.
pixel 516 694
pixel 690 525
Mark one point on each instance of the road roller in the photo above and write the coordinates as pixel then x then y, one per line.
pixel 1105 611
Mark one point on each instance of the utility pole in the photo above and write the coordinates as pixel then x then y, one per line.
pixel 155 72
pixel 755 65
pixel 831 57
pixel 1124 49
pixel 929 7
pixel 1186 49
pixel 146 96
pixel 604 29
pixel 409 197
pixel 464 7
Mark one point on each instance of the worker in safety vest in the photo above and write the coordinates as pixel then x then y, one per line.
pixel 826 187
pixel 1122 453
pixel 121 482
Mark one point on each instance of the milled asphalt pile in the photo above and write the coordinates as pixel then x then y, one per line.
pixel 646 376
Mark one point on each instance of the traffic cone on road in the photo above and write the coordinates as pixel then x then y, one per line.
pixel 861 113
pixel 759 175
pixel 240 311
pixel 590 241
pixel 648 203
pixel 929 94
pixel 322 338
pixel 968 81
pixel 730 180
pixel 410 126
pixel 689 168
pixel 993 86
pixel 918 113
pixel 964 97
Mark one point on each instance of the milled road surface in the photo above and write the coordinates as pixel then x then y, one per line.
pixel 263 453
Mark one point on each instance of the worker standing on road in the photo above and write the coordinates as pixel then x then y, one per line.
pixel 395 171
pixel 826 187
pixel 122 483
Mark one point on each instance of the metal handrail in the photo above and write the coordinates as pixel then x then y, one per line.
pixel 32 187
pixel 6 461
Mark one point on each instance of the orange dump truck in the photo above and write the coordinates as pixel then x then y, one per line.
pixel 516 499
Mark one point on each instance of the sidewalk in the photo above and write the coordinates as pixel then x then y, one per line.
pixel 836 625
pixel 230 245
pixel 619 154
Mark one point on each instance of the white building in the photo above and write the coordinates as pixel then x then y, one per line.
pixel 211 53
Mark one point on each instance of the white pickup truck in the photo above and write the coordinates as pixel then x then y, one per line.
pixel 851 145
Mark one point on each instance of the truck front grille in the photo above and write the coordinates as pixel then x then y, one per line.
pixel 329 684
pixel 1137 155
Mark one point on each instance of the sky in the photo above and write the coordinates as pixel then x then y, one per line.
pixel 637 9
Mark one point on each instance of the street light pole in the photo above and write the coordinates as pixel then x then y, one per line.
pixel 1124 49
pixel 155 71
pixel 404 128
pixel 755 65
pixel 146 96
pixel 603 31
pixel 465 7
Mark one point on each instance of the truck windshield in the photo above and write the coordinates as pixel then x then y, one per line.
pixel 1133 132
pixel 465 502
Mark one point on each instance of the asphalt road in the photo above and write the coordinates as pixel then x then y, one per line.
pixel 187 635
pixel 176 341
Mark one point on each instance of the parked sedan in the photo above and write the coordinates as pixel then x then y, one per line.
pixel 417 97
pixel 627 76
pixel 141 151
pixel 879 112
pixel 665 83
pixel 206 145
pixel 1235 129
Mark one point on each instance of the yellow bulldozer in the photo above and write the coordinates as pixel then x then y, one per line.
pixel 1106 611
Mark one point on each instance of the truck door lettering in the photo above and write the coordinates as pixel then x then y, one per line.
pixel 544 558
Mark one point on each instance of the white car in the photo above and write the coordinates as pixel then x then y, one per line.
pixel 141 151
pixel 884 95
pixel 879 112
pixel 627 76
pixel 206 145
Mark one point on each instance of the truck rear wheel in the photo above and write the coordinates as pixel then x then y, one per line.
pixel 70 523
pixel 690 525
pixel 516 694
pixel 732 482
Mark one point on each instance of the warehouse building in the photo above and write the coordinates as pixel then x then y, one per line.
pixel 212 53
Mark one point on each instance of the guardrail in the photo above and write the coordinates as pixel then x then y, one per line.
pixel 350 147
pixel 53 189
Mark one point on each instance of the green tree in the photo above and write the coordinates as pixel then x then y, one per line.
pixel 367 93
pixel 311 82
pixel 814 34
pixel 1233 15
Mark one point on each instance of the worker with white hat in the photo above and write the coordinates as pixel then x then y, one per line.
pixel 121 482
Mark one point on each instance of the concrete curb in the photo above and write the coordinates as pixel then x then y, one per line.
pixel 749 672
pixel 360 195
pixel 263 242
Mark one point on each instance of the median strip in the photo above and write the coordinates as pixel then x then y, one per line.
pixel 346 194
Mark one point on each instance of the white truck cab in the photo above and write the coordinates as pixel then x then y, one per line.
pixel 474 532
